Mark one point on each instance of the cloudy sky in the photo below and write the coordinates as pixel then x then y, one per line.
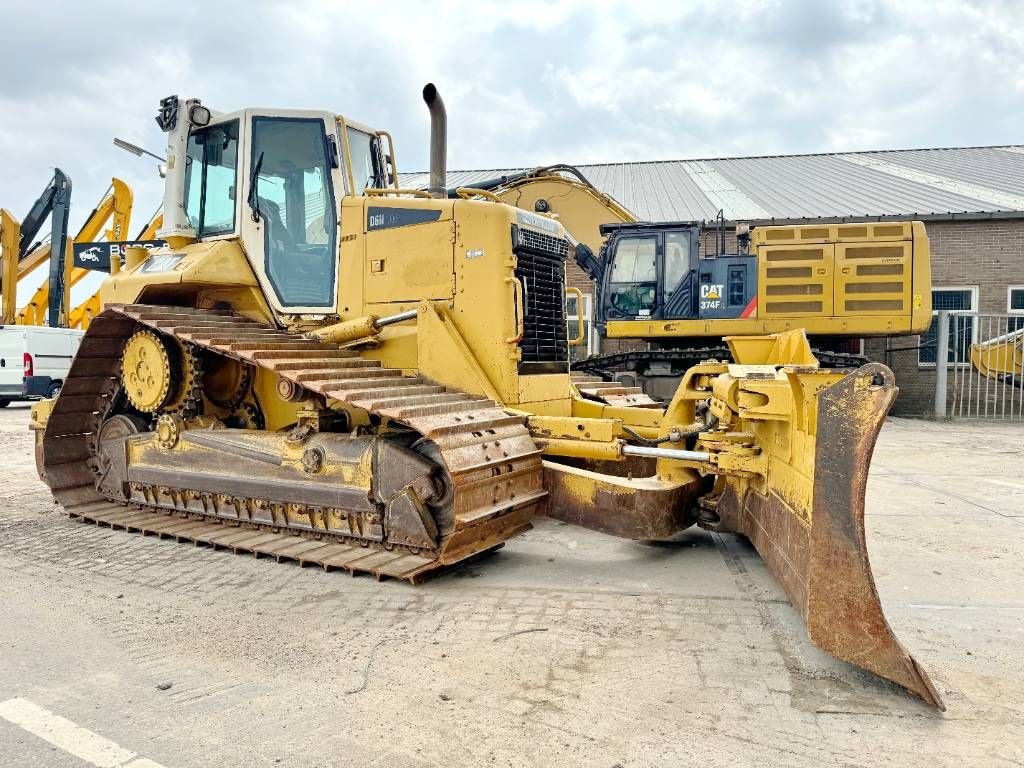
pixel 526 83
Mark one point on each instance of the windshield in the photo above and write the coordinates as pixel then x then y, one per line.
pixel 210 168
pixel 364 166
pixel 633 280
pixel 295 201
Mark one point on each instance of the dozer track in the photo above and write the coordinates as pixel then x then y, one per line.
pixel 493 466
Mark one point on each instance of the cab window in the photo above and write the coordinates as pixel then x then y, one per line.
pixel 365 171
pixel 211 164
pixel 633 280
pixel 677 260
pixel 293 196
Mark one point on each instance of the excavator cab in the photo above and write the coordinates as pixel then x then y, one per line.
pixel 656 272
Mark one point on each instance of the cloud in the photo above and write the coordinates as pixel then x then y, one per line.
pixel 525 83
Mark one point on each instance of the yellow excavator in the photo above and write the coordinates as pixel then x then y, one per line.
pixel 325 368
pixel 671 286
pixel 20 255
pixel 82 314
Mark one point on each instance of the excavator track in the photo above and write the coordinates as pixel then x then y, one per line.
pixel 493 466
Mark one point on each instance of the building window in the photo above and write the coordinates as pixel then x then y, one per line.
pixel 962 330
pixel 1015 308
pixel 572 316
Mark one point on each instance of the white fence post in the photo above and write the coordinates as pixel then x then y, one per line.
pixel 941 364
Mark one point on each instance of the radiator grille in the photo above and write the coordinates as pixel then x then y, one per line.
pixel 541 270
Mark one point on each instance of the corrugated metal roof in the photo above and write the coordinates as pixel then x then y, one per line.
pixel 962 182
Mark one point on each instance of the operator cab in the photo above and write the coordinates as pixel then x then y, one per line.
pixel 656 272
pixel 274 180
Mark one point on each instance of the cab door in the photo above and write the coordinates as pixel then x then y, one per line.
pixel 290 213
pixel 678 283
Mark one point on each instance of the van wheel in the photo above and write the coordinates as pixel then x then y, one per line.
pixel 54 389
pixel 4 402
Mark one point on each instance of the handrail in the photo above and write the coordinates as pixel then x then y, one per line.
pixel 578 341
pixel 392 157
pixel 467 192
pixel 373 192
pixel 517 300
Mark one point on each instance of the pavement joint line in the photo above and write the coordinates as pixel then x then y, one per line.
pixel 73 739
pixel 959 497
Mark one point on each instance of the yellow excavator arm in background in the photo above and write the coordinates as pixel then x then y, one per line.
pixel 1001 357
pixel 578 205
pixel 85 311
pixel 10 237
pixel 16 238
pixel 114 209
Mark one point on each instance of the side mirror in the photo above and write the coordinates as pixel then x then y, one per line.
pixel 332 150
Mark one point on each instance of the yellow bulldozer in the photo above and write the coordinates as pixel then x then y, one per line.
pixel 325 368
pixel 675 288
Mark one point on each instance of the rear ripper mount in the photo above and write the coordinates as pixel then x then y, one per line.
pixel 463 476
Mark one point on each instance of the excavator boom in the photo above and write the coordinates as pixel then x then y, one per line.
pixel 1001 357
pixel 114 209
pixel 20 257
pixel 50 303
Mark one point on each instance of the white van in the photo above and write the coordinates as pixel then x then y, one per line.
pixel 34 360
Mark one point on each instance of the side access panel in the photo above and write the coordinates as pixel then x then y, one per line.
pixel 873 265
pixel 795 280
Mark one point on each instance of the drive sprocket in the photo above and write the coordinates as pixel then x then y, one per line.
pixel 161 374
pixel 146 372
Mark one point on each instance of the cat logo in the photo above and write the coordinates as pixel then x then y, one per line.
pixel 710 296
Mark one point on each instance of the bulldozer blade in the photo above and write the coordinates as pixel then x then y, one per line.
pixel 822 563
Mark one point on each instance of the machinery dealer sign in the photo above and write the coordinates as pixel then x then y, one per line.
pixel 97 255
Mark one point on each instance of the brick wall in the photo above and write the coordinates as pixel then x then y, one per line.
pixel 986 254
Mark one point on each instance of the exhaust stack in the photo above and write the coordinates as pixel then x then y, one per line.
pixel 438 141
